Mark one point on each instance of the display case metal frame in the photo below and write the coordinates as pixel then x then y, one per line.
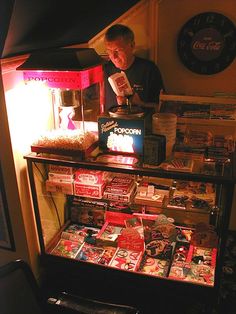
pixel 121 286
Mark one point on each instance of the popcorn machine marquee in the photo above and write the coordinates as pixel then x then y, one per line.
pixel 74 76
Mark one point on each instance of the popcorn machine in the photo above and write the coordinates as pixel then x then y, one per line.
pixel 74 76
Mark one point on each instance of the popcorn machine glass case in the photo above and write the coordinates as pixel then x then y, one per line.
pixel 74 77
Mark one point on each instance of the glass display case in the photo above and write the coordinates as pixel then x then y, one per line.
pixel 130 232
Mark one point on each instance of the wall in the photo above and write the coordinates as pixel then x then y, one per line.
pixel 12 195
pixel 178 79
pixel 24 116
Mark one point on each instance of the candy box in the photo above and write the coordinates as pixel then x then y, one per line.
pixel 61 187
pixel 60 177
pixel 151 197
pixel 90 253
pixel 66 248
pixel 122 198
pixel 79 233
pixel 126 259
pixel 120 185
pixel 108 235
pixel 154 266
pixel 90 177
pixel 201 274
pixel 61 169
pixel 107 255
pixel 89 212
pixel 86 190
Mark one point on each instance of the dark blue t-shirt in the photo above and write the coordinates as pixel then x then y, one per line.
pixel 144 77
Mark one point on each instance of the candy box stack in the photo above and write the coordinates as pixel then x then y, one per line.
pixel 147 194
pixel 89 183
pixel 120 189
pixel 60 179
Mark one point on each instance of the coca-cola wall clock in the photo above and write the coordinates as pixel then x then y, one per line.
pixel 207 43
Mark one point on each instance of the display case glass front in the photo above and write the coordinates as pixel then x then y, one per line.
pixel 135 219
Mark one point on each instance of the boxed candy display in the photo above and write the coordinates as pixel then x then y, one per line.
pixel 91 213
pixel 61 187
pixel 60 169
pixel 109 233
pixel 66 248
pixel 126 259
pixel 120 185
pixel 90 177
pixel 147 194
pixel 79 233
pixel 90 253
pixel 58 177
pixel 86 190
pixel 89 183
pixel 120 189
pixel 154 266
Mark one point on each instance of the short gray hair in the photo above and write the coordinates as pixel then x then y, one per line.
pixel 119 30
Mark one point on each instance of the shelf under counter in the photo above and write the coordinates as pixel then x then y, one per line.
pixel 228 171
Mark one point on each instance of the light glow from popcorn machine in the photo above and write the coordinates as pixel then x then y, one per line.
pixel 33 112
pixel 74 76
pixel 68 91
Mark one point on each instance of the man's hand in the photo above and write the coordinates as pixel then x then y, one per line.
pixel 134 99
pixel 121 100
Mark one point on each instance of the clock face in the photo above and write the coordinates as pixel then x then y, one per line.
pixel 207 43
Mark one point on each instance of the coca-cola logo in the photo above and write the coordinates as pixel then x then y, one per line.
pixel 202 45
pixel 207 44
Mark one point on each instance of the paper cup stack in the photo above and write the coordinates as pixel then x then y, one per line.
pixel 165 124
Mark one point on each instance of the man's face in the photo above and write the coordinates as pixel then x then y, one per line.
pixel 120 52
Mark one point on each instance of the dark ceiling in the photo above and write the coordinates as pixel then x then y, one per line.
pixel 30 25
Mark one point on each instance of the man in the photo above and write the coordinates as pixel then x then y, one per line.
pixel 143 75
